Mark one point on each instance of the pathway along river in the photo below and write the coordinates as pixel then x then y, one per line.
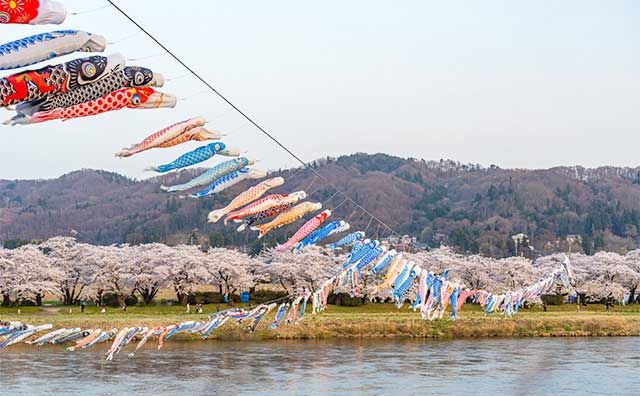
pixel 567 366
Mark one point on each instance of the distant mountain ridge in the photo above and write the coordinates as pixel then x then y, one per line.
pixel 471 207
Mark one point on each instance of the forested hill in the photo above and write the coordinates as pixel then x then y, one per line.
pixel 473 208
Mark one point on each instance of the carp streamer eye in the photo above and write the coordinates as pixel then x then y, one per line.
pixel 138 78
pixel 89 70
pixel 135 99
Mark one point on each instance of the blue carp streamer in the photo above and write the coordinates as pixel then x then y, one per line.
pixel 347 240
pixel 196 156
pixel 322 233
pixel 212 174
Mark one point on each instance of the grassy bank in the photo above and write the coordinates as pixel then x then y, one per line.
pixel 370 321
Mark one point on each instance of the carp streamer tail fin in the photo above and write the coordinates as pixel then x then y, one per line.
pixel 262 230
pixel 215 215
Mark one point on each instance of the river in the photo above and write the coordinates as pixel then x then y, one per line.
pixel 567 366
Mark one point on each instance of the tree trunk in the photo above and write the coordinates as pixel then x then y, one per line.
pixel 39 299
pixel 182 298
pixel 632 296
pixel 6 300
pixel 68 299
pixel 148 295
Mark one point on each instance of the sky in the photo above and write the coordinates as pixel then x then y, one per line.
pixel 513 83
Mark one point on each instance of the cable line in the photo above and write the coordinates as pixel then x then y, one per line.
pixel 247 117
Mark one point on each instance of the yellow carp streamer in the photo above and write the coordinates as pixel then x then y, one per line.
pixel 287 217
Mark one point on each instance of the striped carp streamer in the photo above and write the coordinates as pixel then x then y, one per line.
pixel 129 77
pixel 32 12
pixel 265 203
pixel 230 180
pixel 45 46
pixel 347 240
pixel 245 198
pixel 288 217
pixel 305 230
pixel 212 174
pixel 332 228
pixel 196 156
pixel 163 136
pixel 33 85
pixel 133 98
pixel 264 215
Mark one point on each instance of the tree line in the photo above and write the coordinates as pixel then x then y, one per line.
pixel 75 272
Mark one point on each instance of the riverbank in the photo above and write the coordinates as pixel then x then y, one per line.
pixel 370 321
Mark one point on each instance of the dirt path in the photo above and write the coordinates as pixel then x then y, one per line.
pixel 48 311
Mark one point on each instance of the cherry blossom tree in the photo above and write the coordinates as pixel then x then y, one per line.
pixel 476 272
pixel 307 269
pixel 514 272
pixel 230 270
pixel 78 264
pixel 600 276
pixel 149 268
pixel 615 276
pixel 187 271
pixel 8 277
pixel 632 260
pixel 436 260
pixel 27 274
pixel 115 272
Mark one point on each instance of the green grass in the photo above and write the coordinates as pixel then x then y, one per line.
pixel 371 321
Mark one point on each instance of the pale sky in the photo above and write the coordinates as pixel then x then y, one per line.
pixel 514 83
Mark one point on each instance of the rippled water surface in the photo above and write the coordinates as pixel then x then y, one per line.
pixel 597 366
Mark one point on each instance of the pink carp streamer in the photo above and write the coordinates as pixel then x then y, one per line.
pixel 305 230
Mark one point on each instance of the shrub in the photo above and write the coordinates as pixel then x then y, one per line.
pixel 112 300
pixel 131 300
pixel 204 298
pixel 263 296
pixel 552 299
pixel 345 299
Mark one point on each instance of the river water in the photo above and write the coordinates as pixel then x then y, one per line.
pixel 567 366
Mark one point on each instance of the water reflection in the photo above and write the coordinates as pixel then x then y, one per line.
pixel 497 367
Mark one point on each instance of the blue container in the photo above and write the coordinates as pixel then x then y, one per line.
pixel 244 297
